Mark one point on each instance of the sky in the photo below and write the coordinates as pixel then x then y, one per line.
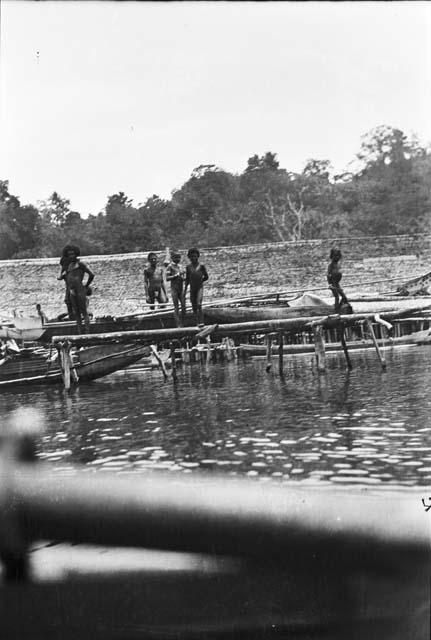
pixel 101 97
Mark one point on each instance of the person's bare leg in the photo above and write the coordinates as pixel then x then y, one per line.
pixel 175 302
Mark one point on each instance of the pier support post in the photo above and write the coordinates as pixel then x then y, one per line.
pixel 185 353
pixel 173 363
pixel 208 340
pixel 228 347
pixel 344 345
pixel 319 346
pixel 280 352
pixel 160 361
pixel 382 324
pixel 65 360
pixel 373 338
pixel 268 343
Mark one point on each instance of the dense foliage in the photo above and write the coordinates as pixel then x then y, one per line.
pixel 388 193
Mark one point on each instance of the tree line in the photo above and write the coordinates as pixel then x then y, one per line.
pixel 388 192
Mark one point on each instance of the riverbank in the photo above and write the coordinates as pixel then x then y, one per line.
pixel 234 271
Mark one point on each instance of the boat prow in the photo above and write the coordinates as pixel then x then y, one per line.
pixel 27 329
pixel 38 366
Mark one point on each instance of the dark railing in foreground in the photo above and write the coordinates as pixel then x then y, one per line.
pixel 286 536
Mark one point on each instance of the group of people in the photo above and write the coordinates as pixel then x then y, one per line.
pixel 156 277
pixel 73 272
pixel 180 278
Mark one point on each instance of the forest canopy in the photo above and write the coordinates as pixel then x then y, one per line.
pixel 389 192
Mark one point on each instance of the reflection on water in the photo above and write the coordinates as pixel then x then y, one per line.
pixel 366 426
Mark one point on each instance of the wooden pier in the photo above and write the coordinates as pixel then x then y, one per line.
pixel 223 342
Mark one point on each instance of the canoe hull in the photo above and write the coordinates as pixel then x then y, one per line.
pixel 225 315
pixel 90 363
pixel 96 362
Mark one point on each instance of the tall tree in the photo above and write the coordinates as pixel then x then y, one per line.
pixel 19 226
pixel 54 209
pixel 207 189
pixel 391 194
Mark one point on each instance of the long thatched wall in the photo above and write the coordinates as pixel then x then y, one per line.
pixel 234 271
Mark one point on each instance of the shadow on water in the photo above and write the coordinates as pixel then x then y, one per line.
pixel 360 426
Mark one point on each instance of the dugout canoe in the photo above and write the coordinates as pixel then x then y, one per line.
pixel 40 366
pixel 415 338
pixel 227 315
pixel 255 312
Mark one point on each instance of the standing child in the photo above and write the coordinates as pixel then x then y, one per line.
pixel 154 281
pixel 41 313
pixel 334 276
pixel 175 274
pixel 77 290
pixel 196 275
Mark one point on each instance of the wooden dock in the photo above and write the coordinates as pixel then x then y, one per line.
pixel 222 342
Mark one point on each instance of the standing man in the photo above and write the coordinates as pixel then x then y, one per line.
pixel 76 289
pixel 64 261
pixel 196 275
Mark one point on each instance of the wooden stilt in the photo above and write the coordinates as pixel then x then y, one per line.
pixel 373 338
pixel 185 354
pixel 64 360
pixel 280 352
pixel 225 348
pixel 233 348
pixel 268 342
pixel 319 346
pixel 382 324
pixel 208 339
pixel 201 355
pixel 228 347
pixel 344 345
pixel 173 363
pixel 219 353
pixel 73 373
pixel 160 361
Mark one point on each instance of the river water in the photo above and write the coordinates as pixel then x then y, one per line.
pixel 366 426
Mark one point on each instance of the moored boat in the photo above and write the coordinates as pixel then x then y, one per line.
pixel 226 314
pixel 415 338
pixel 40 366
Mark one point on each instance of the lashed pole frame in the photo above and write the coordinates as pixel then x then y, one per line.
pixel 262 326
pixel 291 325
